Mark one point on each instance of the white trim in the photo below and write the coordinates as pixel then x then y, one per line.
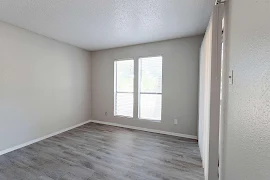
pixel 41 138
pixel 146 129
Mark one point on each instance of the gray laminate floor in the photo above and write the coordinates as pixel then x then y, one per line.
pixel 101 152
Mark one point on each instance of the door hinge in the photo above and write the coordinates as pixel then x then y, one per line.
pixel 220 2
pixel 231 77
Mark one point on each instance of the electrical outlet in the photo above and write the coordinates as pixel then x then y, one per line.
pixel 175 121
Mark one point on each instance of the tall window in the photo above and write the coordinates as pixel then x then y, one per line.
pixel 124 88
pixel 150 88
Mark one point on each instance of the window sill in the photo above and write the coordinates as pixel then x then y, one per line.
pixel 119 116
pixel 151 120
pixel 137 119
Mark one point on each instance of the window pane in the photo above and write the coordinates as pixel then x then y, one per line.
pixel 151 74
pixel 124 104
pixel 150 106
pixel 124 75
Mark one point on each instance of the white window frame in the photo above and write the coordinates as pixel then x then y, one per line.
pixel 139 89
pixel 115 87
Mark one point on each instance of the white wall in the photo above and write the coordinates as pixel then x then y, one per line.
pixel 246 149
pixel 180 83
pixel 44 86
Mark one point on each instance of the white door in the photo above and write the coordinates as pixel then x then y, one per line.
pixel 210 87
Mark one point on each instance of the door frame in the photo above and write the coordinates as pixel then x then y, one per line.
pixel 214 121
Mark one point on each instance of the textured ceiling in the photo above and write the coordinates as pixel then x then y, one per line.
pixel 102 24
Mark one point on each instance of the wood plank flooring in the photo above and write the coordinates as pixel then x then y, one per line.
pixel 101 152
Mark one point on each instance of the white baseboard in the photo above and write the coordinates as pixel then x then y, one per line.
pixel 41 138
pixel 147 130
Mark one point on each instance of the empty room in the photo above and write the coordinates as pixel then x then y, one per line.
pixel 134 90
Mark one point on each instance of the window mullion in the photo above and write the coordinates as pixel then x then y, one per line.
pixel 115 88
pixel 136 88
